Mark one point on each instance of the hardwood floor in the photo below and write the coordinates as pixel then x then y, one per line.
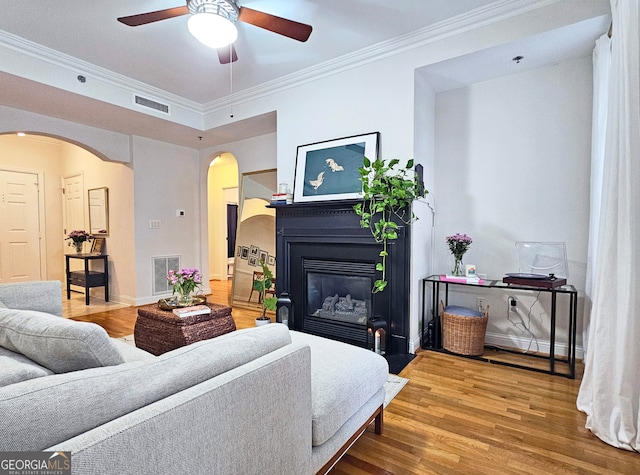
pixel 460 416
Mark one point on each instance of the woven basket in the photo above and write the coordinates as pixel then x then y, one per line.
pixel 462 334
pixel 158 331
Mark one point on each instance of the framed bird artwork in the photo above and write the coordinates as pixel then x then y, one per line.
pixel 328 171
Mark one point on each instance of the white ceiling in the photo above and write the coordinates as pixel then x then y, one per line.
pixel 165 56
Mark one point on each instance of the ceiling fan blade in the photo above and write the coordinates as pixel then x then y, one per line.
pixel 282 26
pixel 150 17
pixel 227 55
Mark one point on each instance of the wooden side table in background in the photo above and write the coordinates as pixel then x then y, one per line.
pixel 88 278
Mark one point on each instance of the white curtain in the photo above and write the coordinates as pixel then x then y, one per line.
pixel 610 389
pixel 601 68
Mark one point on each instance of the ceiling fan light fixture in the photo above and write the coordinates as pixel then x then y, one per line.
pixel 212 30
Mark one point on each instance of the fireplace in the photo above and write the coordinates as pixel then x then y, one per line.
pixel 326 262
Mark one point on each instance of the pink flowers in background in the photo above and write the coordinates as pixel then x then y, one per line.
pixel 185 281
pixel 458 245
pixel 78 236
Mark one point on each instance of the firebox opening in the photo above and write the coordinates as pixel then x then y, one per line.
pixel 339 297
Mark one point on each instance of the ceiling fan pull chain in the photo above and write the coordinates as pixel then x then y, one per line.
pixel 231 78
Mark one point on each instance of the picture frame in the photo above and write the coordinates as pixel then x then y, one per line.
pixel 98 245
pixel 253 261
pixel 272 260
pixel 328 171
pixel 244 252
pixel 254 251
pixel 264 256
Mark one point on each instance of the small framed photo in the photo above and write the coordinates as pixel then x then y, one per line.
pixel 271 261
pixel 264 257
pixel 330 170
pixel 254 251
pixel 244 253
pixel 470 270
pixel 97 246
pixel 253 261
pixel 239 251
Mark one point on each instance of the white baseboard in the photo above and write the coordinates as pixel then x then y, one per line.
pixel 512 342
pixel 524 344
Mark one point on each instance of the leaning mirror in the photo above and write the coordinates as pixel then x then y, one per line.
pixel 256 235
pixel 99 211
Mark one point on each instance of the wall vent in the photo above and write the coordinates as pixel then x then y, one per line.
pixel 150 103
pixel 162 265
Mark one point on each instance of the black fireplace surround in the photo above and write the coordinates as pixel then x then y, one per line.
pixel 326 262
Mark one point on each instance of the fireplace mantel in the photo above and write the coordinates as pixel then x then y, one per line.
pixel 331 231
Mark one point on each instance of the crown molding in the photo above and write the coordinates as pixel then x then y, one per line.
pixel 77 66
pixel 473 19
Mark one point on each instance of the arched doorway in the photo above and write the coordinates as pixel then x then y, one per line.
pixel 222 193
pixel 53 159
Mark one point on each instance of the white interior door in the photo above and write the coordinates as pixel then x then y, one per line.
pixel 73 190
pixel 20 228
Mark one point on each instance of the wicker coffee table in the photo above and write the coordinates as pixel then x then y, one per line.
pixel 158 331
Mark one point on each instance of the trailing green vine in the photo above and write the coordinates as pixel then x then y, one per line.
pixel 387 191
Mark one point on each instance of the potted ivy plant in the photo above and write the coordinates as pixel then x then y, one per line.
pixel 261 284
pixel 387 191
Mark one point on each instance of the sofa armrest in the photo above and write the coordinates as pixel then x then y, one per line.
pixel 43 296
pixel 255 418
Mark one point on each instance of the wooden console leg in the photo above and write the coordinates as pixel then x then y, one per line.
pixel 379 421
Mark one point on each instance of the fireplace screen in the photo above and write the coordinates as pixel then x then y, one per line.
pixel 343 298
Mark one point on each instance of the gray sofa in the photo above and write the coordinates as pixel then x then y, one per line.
pixel 258 401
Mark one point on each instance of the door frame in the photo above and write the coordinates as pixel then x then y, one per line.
pixel 42 230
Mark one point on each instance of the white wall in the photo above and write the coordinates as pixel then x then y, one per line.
pixel 166 179
pixel 513 164
pixel 423 230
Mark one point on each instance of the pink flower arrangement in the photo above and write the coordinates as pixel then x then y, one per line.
pixel 78 236
pixel 184 281
pixel 459 244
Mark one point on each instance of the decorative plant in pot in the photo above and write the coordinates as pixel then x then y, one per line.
pixel 387 191
pixel 261 285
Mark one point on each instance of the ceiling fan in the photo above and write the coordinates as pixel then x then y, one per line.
pixel 212 22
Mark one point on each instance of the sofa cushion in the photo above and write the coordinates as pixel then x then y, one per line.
pixel 343 378
pixel 41 295
pixel 56 343
pixel 62 406
pixel 15 367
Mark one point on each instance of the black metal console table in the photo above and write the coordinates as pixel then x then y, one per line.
pixel 88 278
pixel 569 290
